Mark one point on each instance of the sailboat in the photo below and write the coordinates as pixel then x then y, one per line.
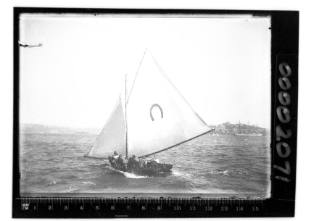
pixel 153 117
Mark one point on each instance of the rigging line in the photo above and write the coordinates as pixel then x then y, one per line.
pixel 126 134
pixel 147 155
pixel 136 74
pixel 164 74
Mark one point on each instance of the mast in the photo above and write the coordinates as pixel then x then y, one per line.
pixel 158 134
pixel 125 102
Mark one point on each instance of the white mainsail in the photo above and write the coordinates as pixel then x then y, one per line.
pixel 157 117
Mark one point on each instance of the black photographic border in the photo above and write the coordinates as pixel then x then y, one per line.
pixel 284 99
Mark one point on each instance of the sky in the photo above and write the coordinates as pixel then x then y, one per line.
pixel 221 65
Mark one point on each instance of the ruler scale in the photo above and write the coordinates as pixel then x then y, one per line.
pixel 102 207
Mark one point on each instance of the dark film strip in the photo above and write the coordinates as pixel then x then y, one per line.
pixel 284 92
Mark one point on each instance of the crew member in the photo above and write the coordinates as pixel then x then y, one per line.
pixel 142 162
pixel 121 163
pixel 153 163
pixel 113 159
pixel 115 156
pixel 132 163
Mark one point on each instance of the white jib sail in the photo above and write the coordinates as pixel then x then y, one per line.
pixel 158 117
pixel 112 137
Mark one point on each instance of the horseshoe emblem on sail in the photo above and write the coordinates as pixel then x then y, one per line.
pixel 155 106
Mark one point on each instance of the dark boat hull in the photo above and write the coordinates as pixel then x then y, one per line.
pixel 148 169
pixel 159 170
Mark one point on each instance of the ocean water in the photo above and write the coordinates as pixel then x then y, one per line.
pixel 214 165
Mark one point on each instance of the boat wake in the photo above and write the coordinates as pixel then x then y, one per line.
pixel 132 175
pixel 177 173
pixel 180 174
pixel 127 174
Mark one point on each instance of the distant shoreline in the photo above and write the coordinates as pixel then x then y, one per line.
pixel 239 129
pixel 221 129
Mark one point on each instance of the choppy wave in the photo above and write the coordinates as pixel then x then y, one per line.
pixel 88 183
pixel 223 172
pixel 210 164
pixel 71 189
